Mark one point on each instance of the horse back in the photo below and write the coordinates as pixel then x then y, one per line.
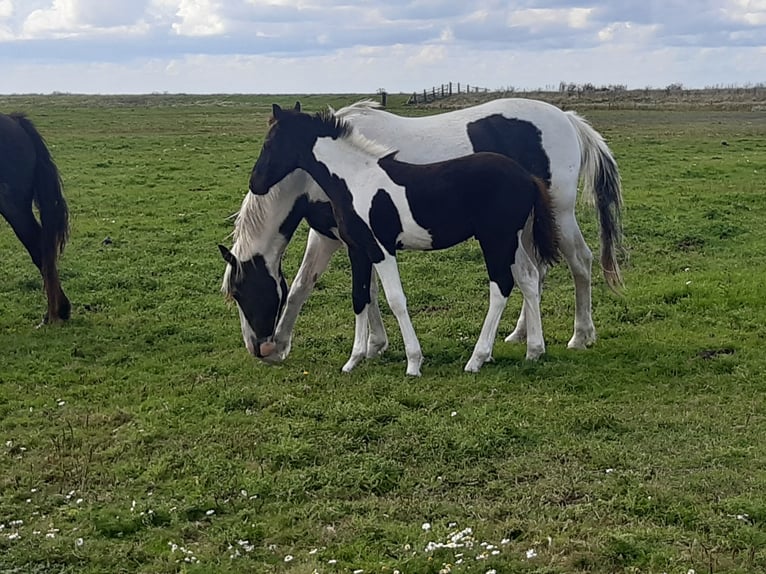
pixel 17 155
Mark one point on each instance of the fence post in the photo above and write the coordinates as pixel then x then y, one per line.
pixel 450 88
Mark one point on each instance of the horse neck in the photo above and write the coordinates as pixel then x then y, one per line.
pixel 353 150
pixel 266 223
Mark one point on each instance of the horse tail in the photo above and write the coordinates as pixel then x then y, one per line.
pixel 545 231
pixel 601 181
pixel 48 195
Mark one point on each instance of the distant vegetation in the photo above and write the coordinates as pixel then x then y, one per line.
pixel 140 437
pixel 673 96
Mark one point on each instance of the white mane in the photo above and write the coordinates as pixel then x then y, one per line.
pixel 367 145
pixel 360 106
pixel 252 215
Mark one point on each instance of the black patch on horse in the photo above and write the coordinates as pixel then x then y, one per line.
pixel 320 217
pixel 385 221
pixel 256 293
pixel 518 139
pixel 290 224
pixel 353 229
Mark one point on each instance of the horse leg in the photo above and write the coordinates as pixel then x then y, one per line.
pixel 377 340
pixel 482 352
pixel 59 307
pixel 498 258
pixel 392 287
pixel 519 333
pixel 319 250
pixel 361 274
pixel 527 277
pixel 579 258
pixel 29 232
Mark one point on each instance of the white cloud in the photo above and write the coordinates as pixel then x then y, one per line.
pixel 750 12
pixel 339 45
pixel 6 9
pixel 199 18
pixel 539 18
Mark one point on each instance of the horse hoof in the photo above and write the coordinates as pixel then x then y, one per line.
pixel 375 349
pixel 535 353
pixel 516 337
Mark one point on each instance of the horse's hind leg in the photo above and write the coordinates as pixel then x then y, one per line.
pixel 59 307
pixel 527 277
pixel 579 258
pixel 377 340
pixel 29 232
pixel 519 333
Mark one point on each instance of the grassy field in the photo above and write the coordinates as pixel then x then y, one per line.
pixel 141 437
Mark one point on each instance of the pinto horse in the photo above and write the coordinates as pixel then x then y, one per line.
pixel 559 147
pixel 383 205
pixel 28 175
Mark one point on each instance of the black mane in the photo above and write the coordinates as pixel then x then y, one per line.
pixel 332 125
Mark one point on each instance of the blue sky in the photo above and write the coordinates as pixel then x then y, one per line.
pixel 324 46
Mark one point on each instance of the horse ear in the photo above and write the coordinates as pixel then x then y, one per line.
pixel 276 111
pixel 297 106
pixel 227 255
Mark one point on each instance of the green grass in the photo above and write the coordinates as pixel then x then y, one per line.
pixel 140 436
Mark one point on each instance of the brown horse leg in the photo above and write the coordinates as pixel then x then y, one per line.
pixel 59 307
pixel 28 230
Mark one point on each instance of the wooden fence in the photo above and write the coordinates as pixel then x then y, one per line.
pixel 443 91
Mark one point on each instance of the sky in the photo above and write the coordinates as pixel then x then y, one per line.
pixel 346 46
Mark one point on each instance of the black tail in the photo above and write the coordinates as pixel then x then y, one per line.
pixel 48 196
pixel 545 231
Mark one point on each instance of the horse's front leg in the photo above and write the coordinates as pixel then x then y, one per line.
pixel 392 286
pixel 319 250
pixel 361 274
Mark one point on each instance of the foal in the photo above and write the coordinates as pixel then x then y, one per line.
pixel 382 205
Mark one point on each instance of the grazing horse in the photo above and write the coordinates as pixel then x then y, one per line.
pixel 559 147
pixel 28 175
pixel 382 205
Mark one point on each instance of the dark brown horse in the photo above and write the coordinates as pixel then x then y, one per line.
pixel 28 175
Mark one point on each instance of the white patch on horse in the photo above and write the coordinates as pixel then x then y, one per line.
pixel 344 161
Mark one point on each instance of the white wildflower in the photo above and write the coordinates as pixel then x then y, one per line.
pixel 79 542
pixel 210 512
pixel 426 526
pixel 289 558
pixel 531 553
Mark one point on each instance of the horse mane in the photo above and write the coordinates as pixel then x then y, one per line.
pixel 252 215
pixel 360 106
pixel 341 129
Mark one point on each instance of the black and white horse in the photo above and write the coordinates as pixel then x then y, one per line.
pixel 28 175
pixel 558 147
pixel 382 205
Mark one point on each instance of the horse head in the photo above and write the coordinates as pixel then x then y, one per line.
pixel 253 278
pixel 289 145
